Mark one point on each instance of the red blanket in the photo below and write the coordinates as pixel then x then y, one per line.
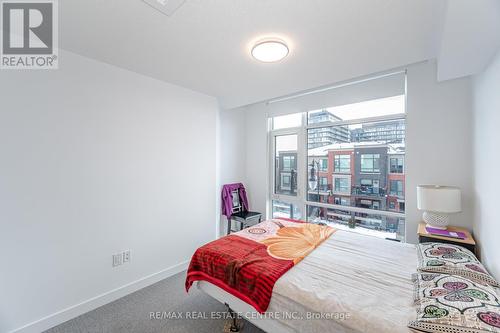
pixel 247 264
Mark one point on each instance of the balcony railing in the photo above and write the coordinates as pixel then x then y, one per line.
pixel 369 191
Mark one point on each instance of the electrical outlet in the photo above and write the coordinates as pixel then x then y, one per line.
pixel 117 259
pixel 126 256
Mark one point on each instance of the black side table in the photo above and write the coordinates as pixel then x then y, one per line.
pixel 246 219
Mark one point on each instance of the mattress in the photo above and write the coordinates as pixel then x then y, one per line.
pixel 350 283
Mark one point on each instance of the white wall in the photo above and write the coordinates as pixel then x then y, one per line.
pixel 439 140
pixel 257 157
pixel 233 146
pixel 232 152
pixel 438 143
pixel 95 160
pixel 487 161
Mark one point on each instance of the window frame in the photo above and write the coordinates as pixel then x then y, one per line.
pixel 339 158
pixel 398 192
pixel 372 158
pixel 293 200
pixel 323 168
pixel 397 158
pixel 301 200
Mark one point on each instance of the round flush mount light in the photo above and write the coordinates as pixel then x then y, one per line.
pixel 270 50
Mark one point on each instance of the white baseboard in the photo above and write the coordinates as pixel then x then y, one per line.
pixel 73 311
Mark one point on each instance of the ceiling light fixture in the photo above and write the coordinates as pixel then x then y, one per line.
pixel 270 50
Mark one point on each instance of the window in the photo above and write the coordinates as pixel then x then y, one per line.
pixel 370 163
pixel 323 164
pixel 342 163
pixel 286 181
pixel 286 210
pixel 396 188
pixel 376 224
pixel 341 201
pixel 342 185
pixel 287 121
pixel 396 164
pixel 366 182
pixel 285 173
pixel 363 188
pixel 323 183
pixel 288 163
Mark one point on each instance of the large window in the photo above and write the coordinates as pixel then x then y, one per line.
pixel 363 190
pixel 342 163
pixel 370 163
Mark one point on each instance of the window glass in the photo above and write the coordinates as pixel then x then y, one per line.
pixel 342 163
pixel 374 108
pixel 370 163
pixel 287 121
pixel 342 185
pixel 396 164
pixel 396 188
pixel 324 164
pixel 286 210
pixel 378 225
pixel 353 166
pixel 361 174
pixel 286 164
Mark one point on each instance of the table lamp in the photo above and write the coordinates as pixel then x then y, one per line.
pixel 438 202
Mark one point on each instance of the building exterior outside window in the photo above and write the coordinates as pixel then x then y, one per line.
pixel 286 173
pixel 288 162
pixel 370 163
pixel 323 136
pixel 342 185
pixel 389 131
pixel 396 164
pixel 323 164
pixel 358 166
pixel 343 163
pixel 396 188
pixel 286 182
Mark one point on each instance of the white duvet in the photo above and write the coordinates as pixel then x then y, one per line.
pixel 367 278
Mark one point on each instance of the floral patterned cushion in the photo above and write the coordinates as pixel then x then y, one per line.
pixel 452 259
pixel 448 303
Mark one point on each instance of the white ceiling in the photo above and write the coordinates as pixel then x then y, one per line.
pixel 205 44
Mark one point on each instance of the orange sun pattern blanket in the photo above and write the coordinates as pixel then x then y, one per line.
pixel 248 263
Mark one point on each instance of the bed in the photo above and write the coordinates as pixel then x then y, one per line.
pixel 349 283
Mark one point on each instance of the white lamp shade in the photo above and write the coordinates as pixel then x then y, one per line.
pixel 441 199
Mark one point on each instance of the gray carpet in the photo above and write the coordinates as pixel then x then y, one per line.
pixel 132 312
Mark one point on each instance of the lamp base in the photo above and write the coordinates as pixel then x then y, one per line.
pixel 436 220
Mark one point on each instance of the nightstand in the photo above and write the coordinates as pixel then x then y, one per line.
pixel 469 242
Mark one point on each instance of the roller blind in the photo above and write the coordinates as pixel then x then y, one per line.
pixel 392 84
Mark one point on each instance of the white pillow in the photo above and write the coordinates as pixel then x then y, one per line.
pixel 452 259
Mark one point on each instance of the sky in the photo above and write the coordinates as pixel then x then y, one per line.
pixel 373 108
